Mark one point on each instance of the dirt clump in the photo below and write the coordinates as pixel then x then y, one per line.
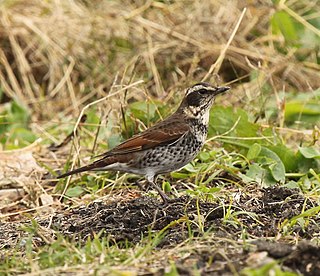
pixel 219 227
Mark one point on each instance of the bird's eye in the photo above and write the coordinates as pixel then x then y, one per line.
pixel 202 91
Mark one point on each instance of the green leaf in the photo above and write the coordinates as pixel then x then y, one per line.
pixel 292 185
pixel 123 43
pixel 179 175
pixel 253 151
pixel 23 135
pixel 113 140
pixel 190 168
pixel 304 164
pixel 308 111
pixel 276 166
pixel 166 186
pixel 14 116
pixel 204 156
pixel 74 191
pixel 269 152
pixel 14 132
pixel 137 112
pixel 268 168
pixel 236 124
pixel 143 110
pixel 261 175
pixel 288 157
pixel 255 173
pixel 282 23
pixel 309 152
pixel 244 136
pixel 92 120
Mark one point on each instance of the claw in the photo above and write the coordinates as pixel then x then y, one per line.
pixel 163 195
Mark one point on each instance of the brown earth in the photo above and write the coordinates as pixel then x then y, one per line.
pixel 256 238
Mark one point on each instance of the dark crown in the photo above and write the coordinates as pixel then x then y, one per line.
pixel 202 93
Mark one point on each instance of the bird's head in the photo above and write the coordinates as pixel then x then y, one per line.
pixel 199 99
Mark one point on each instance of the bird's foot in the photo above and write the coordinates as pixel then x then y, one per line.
pixel 165 199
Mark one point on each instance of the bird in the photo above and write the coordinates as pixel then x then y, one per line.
pixel 166 146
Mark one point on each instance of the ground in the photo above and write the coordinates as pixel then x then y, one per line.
pixel 223 247
pixel 79 77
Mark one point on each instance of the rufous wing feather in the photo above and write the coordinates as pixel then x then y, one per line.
pixel 164 133
pixel 155 136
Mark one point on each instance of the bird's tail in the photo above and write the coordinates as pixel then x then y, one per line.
pixel 79 170
pixel 101 164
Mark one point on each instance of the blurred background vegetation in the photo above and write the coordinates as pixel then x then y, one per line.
pixel 125 64
pixel 58 56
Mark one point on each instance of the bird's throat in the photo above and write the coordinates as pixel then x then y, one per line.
pixel 196 113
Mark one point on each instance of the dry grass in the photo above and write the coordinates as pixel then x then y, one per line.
pixel 70 52
pixel 61 58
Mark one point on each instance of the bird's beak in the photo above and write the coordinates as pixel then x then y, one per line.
pixel 221 89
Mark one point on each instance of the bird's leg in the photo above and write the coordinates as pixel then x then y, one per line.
pixel 163 195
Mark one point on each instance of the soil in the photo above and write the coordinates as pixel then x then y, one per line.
pixel 255 238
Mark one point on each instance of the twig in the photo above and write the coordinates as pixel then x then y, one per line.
pixel 216 66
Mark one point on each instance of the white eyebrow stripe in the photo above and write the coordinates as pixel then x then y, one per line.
pixel 198 87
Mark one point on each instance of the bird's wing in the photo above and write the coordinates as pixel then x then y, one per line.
pixel 164 133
